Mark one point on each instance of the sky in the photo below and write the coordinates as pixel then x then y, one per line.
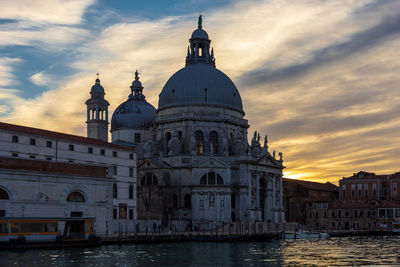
pixel 320 77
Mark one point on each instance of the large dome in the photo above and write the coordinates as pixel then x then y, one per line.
pixel 133 114
pixel 200 84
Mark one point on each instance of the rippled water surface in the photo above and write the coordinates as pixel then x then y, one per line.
pixel 334 251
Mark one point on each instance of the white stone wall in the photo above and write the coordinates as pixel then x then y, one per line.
pixel 44 195
pixel 60 151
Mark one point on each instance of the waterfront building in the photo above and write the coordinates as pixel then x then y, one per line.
pixel 196 168
pixel 302 198
pixel 366 202
pixel 65 178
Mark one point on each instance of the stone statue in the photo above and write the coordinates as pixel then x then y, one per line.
pixel 200 22
pixel 273 154
pixel 266 141
pixel 211 149
pixel 280 156
pixel 258 138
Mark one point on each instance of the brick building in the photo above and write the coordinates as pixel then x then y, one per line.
pixel 303 197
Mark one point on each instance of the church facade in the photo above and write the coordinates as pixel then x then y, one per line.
pixel 196 167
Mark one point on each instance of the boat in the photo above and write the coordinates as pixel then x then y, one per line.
pixel 302 234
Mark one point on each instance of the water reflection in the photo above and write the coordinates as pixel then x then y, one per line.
pixel 334 251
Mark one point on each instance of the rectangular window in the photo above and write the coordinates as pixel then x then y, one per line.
pixel 114 154
pixel 114 170
pixel 48 158
pixel 130 172
pixel 344 190
pixel 137 138
pixel 130 214
pixel 131 192
pixel 222 203
pixel 32 156
pixel 3 213
pixel 122 211
pixel 15 139
pixel 201 204
pixel 71 148
pixel 14 155
pixel 90 150
pixel 130 156
pixel 102 152
pixel 76 214
pixel 114 214
pixel 49 144
pixel 32 141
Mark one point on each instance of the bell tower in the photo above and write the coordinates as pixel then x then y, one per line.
pixel 97 113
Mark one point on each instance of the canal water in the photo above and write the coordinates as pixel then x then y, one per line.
pixel 381 250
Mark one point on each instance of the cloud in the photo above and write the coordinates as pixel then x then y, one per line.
pixel 7 76
pixel 66 12
pixel 320 77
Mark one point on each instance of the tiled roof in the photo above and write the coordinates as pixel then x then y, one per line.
pixel 313 185
pixel 52 167
pixel 57 135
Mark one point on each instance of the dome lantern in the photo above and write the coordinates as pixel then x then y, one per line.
pixel 199 48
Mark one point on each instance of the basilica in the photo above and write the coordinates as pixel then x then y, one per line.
pixel 195 165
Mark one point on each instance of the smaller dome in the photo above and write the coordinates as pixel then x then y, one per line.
pixel 133 114
pixel 97 88
pixel 199 34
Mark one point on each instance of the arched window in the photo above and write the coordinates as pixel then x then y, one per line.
pixel 75 197
pixel 188 201
pixel 213 140
pixel 4 194
pixel 211 178
pixel 198 135
pixel 149 179
pixel 167 138
pixel 131 192
pixel 115 191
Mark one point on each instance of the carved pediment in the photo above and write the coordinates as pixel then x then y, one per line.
pixel 152 164
pixel 268 160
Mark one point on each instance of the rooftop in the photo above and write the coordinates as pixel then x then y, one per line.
pixel 57 135
pixel 313 185
pixel 52 167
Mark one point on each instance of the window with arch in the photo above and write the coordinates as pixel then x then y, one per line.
pixel 75 197
pixel 211 178
pixel 213 140
pixel 4 194
pixel 149 179
pixel 198 136
pixel 168 137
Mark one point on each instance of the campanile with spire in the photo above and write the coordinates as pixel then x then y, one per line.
pixel 97 113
